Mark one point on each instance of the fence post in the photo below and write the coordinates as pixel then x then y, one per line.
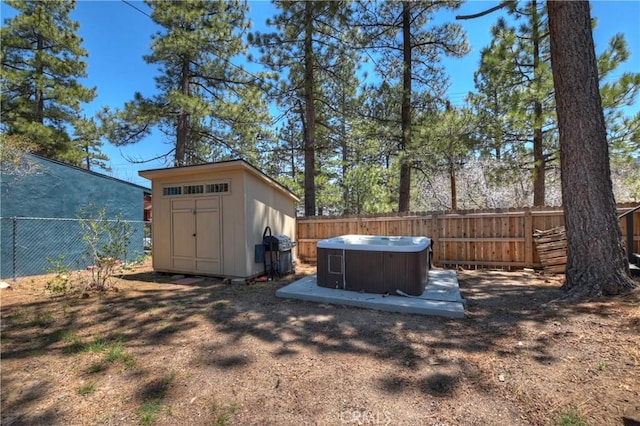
pixel 14 248
pixel 630 247
pixel 435 237
pixel 528 238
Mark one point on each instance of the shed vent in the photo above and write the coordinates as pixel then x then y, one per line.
pixel 193 189
pixel 172 190
pixel 210 188
pixel 218 187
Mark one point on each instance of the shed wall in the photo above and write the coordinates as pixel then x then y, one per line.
pixel 266 206
pixel 250 205
pixel 232 220
pixel 234 234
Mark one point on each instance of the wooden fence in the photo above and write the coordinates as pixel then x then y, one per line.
pixel 496 238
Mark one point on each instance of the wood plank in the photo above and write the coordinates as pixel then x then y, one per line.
pixel 560 269
pixel 559 245
pixel 436 239
pixel 546 257
pixel 483 240
pixel 549 239
pixel 551 245
pixel 528 235
pixel 557 261
pixel 483 237
pixel 483 263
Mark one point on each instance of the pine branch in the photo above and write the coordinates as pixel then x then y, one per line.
pixel 488 11
pixel 142 161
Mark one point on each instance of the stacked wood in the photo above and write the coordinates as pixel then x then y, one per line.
pixel 552 249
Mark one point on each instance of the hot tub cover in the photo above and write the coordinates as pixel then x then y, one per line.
pixel 376 243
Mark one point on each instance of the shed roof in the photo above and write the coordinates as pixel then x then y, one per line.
pixel 220 166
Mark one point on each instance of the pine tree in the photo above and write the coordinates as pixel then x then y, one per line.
pixel 449 141
pixel 87 141
pixel 303 50
pixel 374 176
pixel 338 115
pixel 42 62
pixel 409 52
pixel 515 95
pixel 623 131
pixel 596 261
pixel 284 157
pixel 517 64
pixel 207 106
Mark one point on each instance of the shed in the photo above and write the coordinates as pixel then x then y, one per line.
pixel 208 218
pixel 40 202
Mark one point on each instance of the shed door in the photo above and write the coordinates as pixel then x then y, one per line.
pixel 195 235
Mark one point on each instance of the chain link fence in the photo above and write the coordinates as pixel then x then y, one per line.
pixel 32 245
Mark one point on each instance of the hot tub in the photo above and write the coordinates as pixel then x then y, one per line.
pixel 374 264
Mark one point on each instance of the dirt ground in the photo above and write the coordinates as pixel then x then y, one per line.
pixel 214 353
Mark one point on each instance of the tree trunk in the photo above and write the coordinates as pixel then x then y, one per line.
pixel 498 140
pixel 344 147
pixel 88 156
pixel 404 198
pixel 596 262
pixel 182 132
pixel 345 169
pixel 539 163
pixel 310 113
pixel 452 178
pixel 39 96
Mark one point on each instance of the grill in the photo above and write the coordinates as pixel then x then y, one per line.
pixel 278 259
pixel 283 243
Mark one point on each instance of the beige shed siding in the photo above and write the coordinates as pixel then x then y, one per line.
pixel 162 230
pixel 266 206
pixel 253 202
pixel 233 233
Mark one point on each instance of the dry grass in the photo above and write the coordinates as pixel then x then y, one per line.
pixel 213 353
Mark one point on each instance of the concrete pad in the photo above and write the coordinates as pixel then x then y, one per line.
pixel 187 281
pixel 443 285
pixel 441 297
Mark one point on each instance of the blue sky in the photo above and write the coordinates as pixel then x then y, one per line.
pixel 117 37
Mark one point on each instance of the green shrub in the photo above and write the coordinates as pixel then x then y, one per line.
pixel 107 243
pixel 62 283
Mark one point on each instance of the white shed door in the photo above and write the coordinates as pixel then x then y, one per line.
pixel 195 235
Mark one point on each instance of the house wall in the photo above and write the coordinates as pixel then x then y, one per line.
pixel 56 190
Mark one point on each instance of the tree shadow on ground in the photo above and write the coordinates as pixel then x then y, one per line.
pixel 147 317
